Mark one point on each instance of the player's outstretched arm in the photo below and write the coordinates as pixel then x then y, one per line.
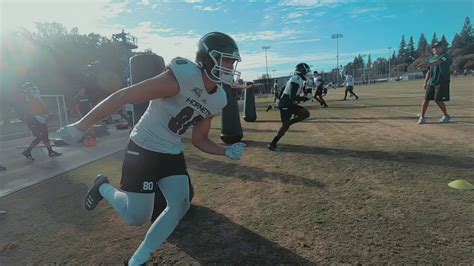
pixel 430 63
pixel 163 85
pixel 200 139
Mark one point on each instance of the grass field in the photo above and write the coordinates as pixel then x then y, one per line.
pixel 358 182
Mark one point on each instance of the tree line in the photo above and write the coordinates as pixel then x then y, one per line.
pixel 409 56
pixel 60 61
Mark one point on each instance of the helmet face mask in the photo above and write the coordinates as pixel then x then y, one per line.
pixel 303 69
pixel 215 50
pixel 219 72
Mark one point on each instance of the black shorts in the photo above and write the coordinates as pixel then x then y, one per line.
pixel 286 113
pixel 37 128
pixel 439 92
pixel 142 169
pixel 276 96
pixel 310 91
pixel 350 88
pixel 319 91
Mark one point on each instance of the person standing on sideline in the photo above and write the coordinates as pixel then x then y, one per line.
pixel 437 82
pixel 276 93
pixel 288 106
pixel 82 104
pixel 35 118
pixel 186 95
pixel 349 83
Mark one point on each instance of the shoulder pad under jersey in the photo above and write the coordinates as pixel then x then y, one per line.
pixel 187 73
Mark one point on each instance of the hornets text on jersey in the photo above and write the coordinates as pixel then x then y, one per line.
pixel 167 119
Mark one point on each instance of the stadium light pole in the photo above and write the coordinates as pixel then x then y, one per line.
pixel 389 59
pixel 363 69
pixel 266 64
pixel 337 36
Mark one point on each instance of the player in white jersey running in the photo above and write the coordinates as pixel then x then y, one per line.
pixel 320 91
pixel 185 95
pixel 309 84
pixel 349 82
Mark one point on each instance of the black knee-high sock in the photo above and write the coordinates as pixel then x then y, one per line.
pixel 317 99
pixel 281 133
pixel 323 102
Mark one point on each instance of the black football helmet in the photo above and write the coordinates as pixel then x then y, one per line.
pixel 302 69
pixel 212 49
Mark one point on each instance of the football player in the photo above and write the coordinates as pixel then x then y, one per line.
pixel 186 95
pixel 309 84
pixel 276 93
pixel 349 82
pixel 320 90
pixel 288 103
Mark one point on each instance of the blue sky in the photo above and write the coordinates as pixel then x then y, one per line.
pixel 296 30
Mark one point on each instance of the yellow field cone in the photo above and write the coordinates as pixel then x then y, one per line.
pixel 461 184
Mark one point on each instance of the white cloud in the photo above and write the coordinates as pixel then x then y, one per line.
pixel 207 8
pixel 265 35
pixel 360 11
pixel 311 3
pixel 151 36
pixel 193 1
pixel 25 13
pixel 295 15
pixel 299 41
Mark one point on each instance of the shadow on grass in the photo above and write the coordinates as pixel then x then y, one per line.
pixel 332 120
pixel 212 238
pixel 399 156
pixel 273 131
pixel 202 164
pixel 408 117
pixel 267 121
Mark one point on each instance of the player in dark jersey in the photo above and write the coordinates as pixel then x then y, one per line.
pixel 290 111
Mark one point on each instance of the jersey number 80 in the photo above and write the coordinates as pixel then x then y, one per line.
pixel 182 121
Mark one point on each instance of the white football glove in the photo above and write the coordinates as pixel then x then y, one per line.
pixel 70 134
pixel 235 151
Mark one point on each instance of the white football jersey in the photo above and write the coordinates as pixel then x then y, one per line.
pixel 318 81
pixel 309 83
pixel 166 119
pixel 349 80
pixel 294 79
